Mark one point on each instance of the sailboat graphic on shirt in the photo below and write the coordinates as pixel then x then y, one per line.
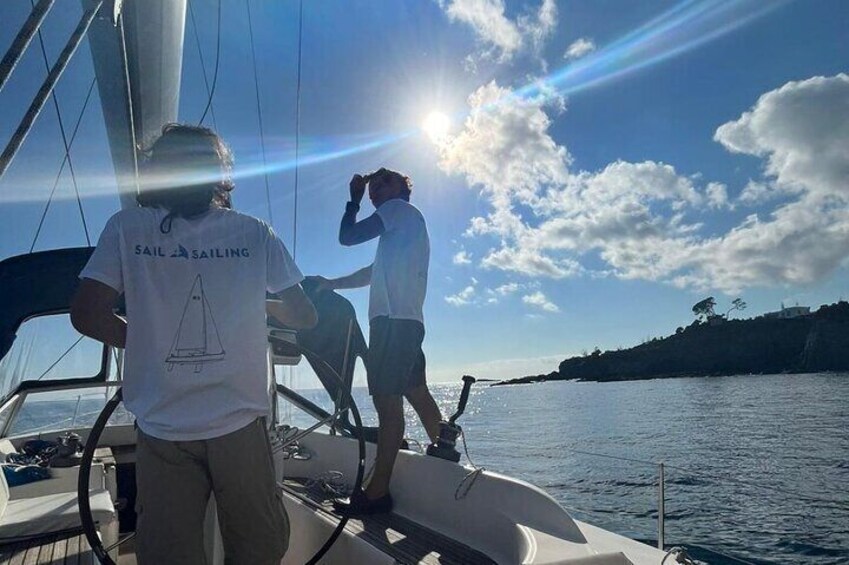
pixel 197 340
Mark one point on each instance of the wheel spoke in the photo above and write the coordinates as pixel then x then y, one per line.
pixel 128 537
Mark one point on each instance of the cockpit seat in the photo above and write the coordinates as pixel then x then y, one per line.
pixel 47 512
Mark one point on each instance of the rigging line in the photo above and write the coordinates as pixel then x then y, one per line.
pixel 712 548
pixel 56 362
pixel 607 456
pixel 64 161
pixel 47 87
pixel 210 91
pixel 202 65
pixel 826 502
pixel 129 92
pixel 259 116
pixel 297 130
pixel 22 40
pixel 64 139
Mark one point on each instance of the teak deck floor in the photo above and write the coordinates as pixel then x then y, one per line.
pixel 67 548
pixel 404 540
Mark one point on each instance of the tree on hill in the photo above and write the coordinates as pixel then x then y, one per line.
pixel 736 304
pixel 704 308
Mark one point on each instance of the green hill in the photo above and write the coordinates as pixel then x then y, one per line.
pixel 812 343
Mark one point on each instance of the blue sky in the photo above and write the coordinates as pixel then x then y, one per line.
pixel 607 164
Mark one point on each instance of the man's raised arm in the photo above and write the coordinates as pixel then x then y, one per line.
pixel 352 232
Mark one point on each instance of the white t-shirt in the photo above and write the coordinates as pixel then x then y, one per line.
pixel 399 274
pixel 196 363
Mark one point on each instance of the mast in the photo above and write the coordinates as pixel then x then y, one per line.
pixel 137 50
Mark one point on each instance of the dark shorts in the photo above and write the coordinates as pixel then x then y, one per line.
pixel 396 362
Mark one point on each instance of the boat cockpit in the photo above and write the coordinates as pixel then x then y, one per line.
pixel 68 451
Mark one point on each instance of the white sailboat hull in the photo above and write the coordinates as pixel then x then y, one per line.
pixel 507 520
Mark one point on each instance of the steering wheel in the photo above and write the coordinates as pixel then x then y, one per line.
pixel 84 504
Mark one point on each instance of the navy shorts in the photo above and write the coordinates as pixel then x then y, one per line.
pixel 396 362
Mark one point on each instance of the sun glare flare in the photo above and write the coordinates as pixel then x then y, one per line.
pixel 436 125
pixel 685 26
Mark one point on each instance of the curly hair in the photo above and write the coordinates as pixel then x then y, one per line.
pixel 179 148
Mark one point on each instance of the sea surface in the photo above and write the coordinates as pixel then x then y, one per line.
pixel 756 467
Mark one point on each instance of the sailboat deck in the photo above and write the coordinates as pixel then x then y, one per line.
pixel 404 540
pixel 65 548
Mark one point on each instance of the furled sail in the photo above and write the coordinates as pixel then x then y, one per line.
pixel 137 49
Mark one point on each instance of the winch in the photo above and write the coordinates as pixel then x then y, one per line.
pixel 446 444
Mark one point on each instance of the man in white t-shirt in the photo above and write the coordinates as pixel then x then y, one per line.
pixel 398 281
pixel 194 276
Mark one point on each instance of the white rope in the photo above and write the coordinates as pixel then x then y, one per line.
pixel 330 483
pixel 469 480
pixel 410 441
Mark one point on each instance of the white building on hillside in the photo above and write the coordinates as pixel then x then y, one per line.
pixel 789 312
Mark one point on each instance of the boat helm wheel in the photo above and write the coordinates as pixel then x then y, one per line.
pixel 346 399
pixel 83 503
pixel 87 519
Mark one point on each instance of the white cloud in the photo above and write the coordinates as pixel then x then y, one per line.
pixel 489 22
pixel 800 243
pixel 508 288
pixel 579 48
pixel 529 262
pixel 760 192
pixel 539 300
pixel 802 130
pixel 462 298
pixel 494 295
pixel 462 258
pixel 539 27
pixel 717 195
pixel 642 220
pixel 505 150
pixel 501 37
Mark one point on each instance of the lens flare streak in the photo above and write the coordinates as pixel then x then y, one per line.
pixel 687 25
pixel 678 30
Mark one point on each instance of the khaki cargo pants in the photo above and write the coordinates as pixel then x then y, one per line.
pixel 174 480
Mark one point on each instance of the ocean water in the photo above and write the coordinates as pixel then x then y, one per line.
pixel 756 467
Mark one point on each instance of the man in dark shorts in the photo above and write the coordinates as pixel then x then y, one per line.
pixel 398 281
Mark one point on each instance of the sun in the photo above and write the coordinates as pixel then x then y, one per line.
pixel 436 125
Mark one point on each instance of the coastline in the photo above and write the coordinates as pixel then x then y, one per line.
pixel 813 343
